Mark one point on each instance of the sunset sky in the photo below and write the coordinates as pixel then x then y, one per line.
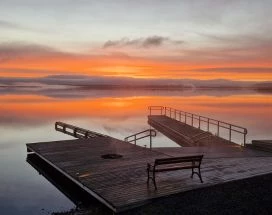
pixel 189 39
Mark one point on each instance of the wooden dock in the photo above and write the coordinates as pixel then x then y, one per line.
pixel 262 145
pixel 185 135
pixel 120 184
pixel 188 129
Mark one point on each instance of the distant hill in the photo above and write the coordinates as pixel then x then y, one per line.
pixel 263 87
pixel 122 82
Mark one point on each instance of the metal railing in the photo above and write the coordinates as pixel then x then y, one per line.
pixel 143 134
pixel 199 121
pixel 76 131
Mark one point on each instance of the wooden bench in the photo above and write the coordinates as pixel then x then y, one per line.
pixel 174 163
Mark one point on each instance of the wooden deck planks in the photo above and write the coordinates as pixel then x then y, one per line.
pixel 121 183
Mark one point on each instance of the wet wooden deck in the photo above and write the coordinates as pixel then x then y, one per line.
pixel 120 184
pixel 184 134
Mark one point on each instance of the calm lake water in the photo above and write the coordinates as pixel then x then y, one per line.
pixel 28 115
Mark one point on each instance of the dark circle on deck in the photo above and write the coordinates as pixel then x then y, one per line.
pixel 111 156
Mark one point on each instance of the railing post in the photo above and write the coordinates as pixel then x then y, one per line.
pixel 185 118
pixel 175 113
pixel 192 115
pixel 229 132
pixel 135 139
pixel 199 122
pixel 170 112
pixel 244 138
pixel 150 136
pixel 218 128
pixel 208 124
pixel 165 111
pixel 179 116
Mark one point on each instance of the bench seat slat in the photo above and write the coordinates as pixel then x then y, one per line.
pixel 175 168
pixel 178 160
pixel 197 157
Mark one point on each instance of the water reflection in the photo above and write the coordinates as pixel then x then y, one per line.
pixel 79 197
pixel 121 116
pixel 30 116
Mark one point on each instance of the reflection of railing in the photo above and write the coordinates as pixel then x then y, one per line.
pixel 140 135
pixel 197 121
pixel 76 131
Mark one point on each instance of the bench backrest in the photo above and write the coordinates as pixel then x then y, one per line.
pixel 172 160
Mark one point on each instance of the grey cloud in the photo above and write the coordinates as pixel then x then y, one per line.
pixel 16 26
pixel 229 49
pixel 6 24
pixel 9 51
pixel 239 39
pixel 153 41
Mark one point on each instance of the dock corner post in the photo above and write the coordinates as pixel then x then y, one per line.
pixel 75 132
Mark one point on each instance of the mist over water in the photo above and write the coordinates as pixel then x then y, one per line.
pixel 29 116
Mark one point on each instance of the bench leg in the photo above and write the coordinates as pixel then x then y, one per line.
pixel 198 173
pixel 148 169
pixel 154 180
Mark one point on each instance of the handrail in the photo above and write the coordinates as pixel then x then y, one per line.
pixel 76 131
pixel 196 120
pixel 152 108
pixel 151 133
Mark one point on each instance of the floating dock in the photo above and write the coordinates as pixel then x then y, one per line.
pixel 188 129
pixel 120 184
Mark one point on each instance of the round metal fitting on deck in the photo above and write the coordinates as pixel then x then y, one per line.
pixel 111 156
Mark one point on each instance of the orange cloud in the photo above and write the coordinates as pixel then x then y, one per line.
pixel 53 63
